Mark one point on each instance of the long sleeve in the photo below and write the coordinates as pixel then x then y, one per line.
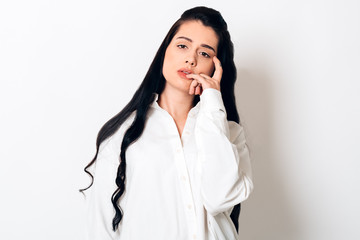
pixel 100 211
pixel 223 157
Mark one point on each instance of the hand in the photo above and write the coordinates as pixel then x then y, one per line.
pixel 202 81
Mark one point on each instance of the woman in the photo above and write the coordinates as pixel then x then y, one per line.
pixel 174 164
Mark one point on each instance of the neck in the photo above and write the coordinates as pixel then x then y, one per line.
pixel 176 103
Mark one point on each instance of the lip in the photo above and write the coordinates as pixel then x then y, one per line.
pixel 182 73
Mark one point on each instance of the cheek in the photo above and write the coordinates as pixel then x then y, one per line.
pixel 208 68
pixel 168 61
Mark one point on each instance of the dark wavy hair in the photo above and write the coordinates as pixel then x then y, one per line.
pixel 154 81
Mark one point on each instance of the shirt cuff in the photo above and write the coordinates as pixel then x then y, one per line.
pixel 211 100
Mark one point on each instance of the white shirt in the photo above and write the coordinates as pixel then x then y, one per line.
pixel 176 188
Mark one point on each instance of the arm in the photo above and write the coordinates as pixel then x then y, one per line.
pixel 224 161
pixel 100 210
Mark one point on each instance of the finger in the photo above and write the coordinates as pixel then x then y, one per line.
pixel 198 78
pixel 193 85
pixel 198 90
pixel 218 69
pixel 213 83
pixel 205 76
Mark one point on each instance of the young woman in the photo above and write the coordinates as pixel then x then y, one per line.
pixel 174 164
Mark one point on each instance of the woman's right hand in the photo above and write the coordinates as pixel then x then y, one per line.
pixel 202 81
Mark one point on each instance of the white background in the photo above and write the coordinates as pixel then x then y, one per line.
pixel 67 66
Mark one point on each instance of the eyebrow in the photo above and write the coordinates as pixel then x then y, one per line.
pixel 203 45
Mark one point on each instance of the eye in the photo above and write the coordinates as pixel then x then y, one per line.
pixel 205 54
pixel 181 46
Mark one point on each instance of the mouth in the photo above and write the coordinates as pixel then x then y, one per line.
pixel 183 72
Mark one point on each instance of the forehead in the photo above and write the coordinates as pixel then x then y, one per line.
pixel 198 33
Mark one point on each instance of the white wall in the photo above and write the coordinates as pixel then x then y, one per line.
pixel 68 66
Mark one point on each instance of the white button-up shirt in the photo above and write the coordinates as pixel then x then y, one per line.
pixel 176 188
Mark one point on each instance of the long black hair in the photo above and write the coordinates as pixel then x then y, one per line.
pixel 154 81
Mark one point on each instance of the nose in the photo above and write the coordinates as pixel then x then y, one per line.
pixel 191 60
pixel 192 63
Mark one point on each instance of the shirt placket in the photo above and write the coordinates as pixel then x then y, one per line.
pixel 185 184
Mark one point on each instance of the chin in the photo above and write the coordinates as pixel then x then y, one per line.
pixel 179 83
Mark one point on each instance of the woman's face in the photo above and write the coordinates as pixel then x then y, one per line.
pixel 190 51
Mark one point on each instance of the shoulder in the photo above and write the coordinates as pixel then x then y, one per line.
pixel 111 145
pixel 118 135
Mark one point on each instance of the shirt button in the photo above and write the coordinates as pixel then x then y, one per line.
pixel 189 206
pixel 194 236
pixel 178 150
pixel 183 178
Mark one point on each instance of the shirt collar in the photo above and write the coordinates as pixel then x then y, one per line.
pixel 155 105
